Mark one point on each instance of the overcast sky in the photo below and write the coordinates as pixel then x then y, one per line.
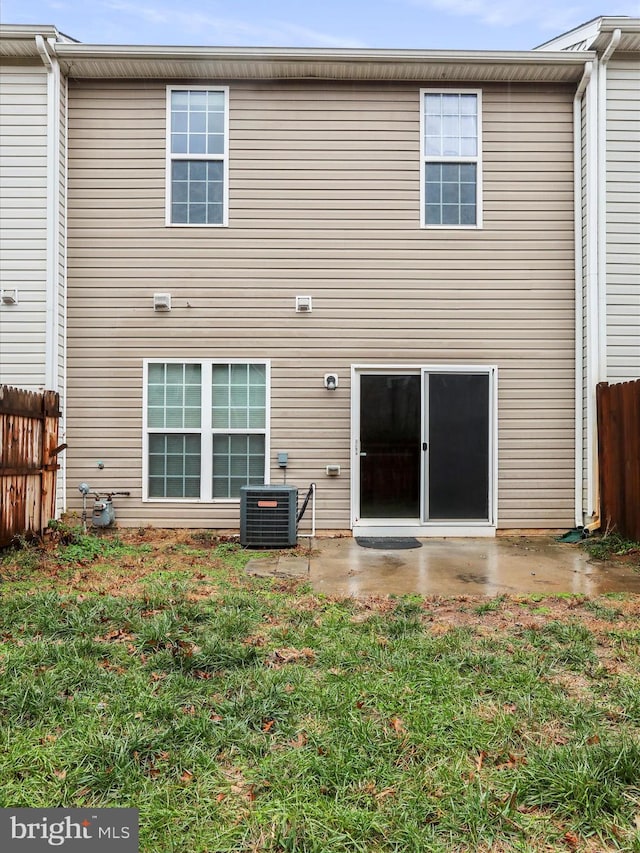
pixel 427 24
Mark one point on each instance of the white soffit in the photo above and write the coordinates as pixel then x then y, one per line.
pixel 596 35
pixel 629 40
pixel 128 62
pixel 18 41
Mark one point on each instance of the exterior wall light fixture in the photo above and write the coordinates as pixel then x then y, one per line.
pixel 331 381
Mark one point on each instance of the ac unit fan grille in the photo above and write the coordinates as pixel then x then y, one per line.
pixel 268 516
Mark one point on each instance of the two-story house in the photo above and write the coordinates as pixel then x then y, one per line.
pixel 364 259
pixel 400 220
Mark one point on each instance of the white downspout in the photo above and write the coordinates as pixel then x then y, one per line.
pixel 591 286
pixel 577 214
pixel 602 205
pixel 597 241
pixel 55 318
pixel 53 215
pixel 65 331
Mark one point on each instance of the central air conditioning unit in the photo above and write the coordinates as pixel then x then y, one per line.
pixel 268 516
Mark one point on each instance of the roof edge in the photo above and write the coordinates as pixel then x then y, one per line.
pixel 84 61
pixel 30 31
pixel 160 52
pixel 589 36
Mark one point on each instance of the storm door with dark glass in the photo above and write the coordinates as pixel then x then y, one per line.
pixel 457 423
pixel 390 445
pixel 425 449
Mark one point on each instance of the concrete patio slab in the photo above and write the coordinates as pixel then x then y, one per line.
pixel 450 567
pixel 280 566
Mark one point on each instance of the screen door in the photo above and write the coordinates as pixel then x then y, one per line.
pixel 457 422
pixel 390 445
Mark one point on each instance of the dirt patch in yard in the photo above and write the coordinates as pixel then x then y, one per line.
pixel 198 561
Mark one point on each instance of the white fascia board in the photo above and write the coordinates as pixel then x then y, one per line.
pixel 627 41
pixel 319 63
pixel 626 25
pixel 584 33
pixel 79 50
pixel 27 31
pixel 19 41
pixel 594 34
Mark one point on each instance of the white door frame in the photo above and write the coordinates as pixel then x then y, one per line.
pixel 413 526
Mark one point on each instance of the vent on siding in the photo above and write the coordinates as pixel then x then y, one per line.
pixel 268 516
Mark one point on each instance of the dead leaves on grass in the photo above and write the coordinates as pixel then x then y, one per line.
pixel 239 787
pixel 119 635
pixel 202 674
pixel 111 667
pixel 281 657
pixel 397 726
pixel 149 762
pixel 299 741
pixel 185 648
pixel 150 765
pixel 484 760
pixel 371 790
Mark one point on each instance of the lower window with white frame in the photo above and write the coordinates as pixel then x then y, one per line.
pixel 205 428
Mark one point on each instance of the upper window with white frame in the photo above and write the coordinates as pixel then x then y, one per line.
pixel 197 155
pixel 206 427
pixel 451 125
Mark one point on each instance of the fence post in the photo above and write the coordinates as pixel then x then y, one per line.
pixel 618 408
pixel 631 458
pixel 28 439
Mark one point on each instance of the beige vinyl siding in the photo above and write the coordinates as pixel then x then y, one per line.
pixel 324 200
pixel 623 219
pixel 23 223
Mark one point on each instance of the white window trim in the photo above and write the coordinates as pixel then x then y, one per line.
pixel 477 160
pixel 224 157
pixel 206 430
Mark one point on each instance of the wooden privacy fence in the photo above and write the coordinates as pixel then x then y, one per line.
pixel 619 456
pixel 28 463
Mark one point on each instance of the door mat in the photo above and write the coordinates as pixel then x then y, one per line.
pixel 388 543
pixel 575 535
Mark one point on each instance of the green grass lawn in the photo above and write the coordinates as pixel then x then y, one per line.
pixel 240 714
